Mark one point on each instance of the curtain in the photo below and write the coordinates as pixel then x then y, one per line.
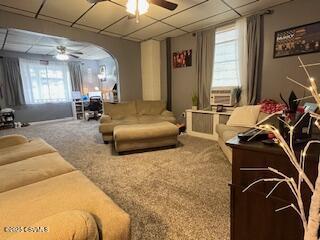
pixel 13 88
pixel 45 81
pixel 1 83
pixel 205 56
pixel 76 76
pixel 241 26
pixel 255 45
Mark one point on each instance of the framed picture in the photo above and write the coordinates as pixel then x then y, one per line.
pixel 182 59
pixel 297 40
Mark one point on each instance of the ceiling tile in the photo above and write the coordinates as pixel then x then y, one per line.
pixel 153 30
pixel 41 50
pixel 54 20
pixel 239 3
pixel 210 8
pixel 211 21
pixel 68 10
pixel 110 34
pixel 23 37
pixel 260 5
pixel 17 11
pixel 96 56
pixel 29 5
pixel 160 13
pixel 87 28
pixel 50 41
pixel 173 33
pixel 93 53
pixel 103 15
pixel 36 43
pixel 127 26
pixel 16 47
pixel 89 49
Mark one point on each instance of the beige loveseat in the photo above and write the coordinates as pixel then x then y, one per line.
pixel 43 197
pixel 226 132
pixel 134 112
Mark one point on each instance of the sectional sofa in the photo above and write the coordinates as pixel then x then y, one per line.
pixel 134 112
pixel 44 197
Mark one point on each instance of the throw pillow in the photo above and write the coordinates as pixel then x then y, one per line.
pixel 245 116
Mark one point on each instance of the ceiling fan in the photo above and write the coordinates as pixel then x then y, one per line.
pixel 63 54
pixel 139 7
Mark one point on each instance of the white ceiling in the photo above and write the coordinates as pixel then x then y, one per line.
pixel 110 17
pixel 34 43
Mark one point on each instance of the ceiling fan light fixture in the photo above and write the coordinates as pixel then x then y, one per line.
pixel 62 57
pixel 137 7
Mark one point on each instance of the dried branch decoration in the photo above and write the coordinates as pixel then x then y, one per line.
pixel 310 225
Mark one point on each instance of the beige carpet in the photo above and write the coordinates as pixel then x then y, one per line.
pixel 179 193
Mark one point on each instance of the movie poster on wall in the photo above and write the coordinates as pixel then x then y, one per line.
pixel 298 40
pixel 182 59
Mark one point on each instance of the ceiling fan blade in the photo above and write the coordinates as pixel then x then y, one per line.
pixel 75 52
pixel 165 4
pixel 95 1
pixel 71 55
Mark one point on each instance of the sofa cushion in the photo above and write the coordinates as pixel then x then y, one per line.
pixel 11 140
pixel 155 119
pixel 150 107
pixel 245 116
pixel 109 126
pixel 119 110
pixel 77 225
pixel 227 132
pixel 23 151
pixel 32 170
pixel 70 191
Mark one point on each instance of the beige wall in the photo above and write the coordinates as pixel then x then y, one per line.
pixel 150 70
pixel 126 52
pixel 298 12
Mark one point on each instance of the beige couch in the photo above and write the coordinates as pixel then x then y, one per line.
pixel 40 191
pixel 134 112
pixel 226 132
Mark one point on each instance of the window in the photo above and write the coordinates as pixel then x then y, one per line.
pixel 226 58
pixel 45 81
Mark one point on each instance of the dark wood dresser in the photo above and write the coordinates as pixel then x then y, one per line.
pixel 253 217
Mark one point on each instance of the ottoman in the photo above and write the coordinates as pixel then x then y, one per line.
pixel 143 136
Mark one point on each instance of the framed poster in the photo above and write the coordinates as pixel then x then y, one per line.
pixel 182 59
pixel 297 40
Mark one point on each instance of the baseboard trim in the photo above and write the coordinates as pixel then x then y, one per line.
pixel 52 121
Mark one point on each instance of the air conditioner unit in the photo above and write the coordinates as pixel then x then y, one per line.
pixel 225 96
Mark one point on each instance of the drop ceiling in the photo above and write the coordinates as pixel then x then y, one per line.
pixel 110 17
pixel 35 43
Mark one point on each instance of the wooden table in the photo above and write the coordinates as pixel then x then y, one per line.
pixel 253 217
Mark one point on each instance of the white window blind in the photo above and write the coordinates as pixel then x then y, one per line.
pixel 45 82
pixel 226 58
